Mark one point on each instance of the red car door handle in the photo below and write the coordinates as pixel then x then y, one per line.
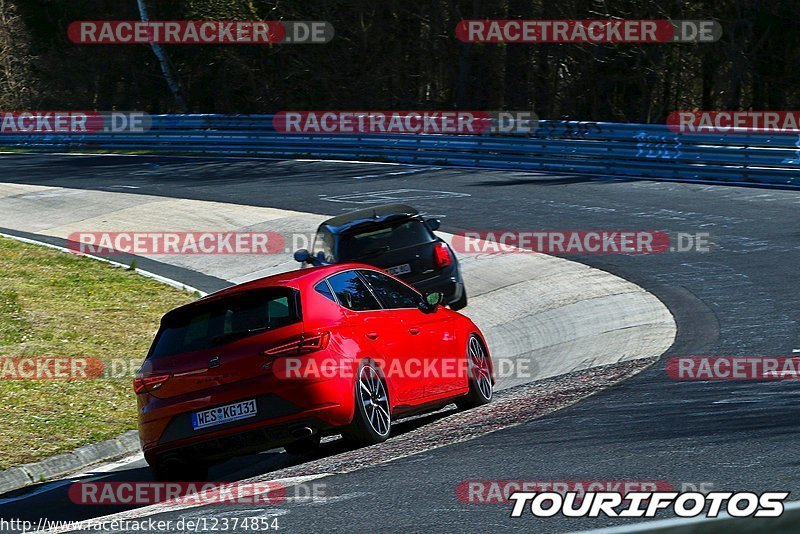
pixel 372 335
pixel 414 331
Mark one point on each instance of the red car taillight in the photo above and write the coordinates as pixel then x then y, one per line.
pixel 441 256
pixel 143 384
pixel 304 345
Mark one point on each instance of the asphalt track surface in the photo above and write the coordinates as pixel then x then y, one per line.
pixel 739 299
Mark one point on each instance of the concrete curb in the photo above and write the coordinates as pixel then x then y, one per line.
pixel 14 478
pixel 70 462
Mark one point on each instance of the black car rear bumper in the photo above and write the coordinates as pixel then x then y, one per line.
pixel 448 282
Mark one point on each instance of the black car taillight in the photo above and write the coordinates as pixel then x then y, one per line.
pixel 304 345
pixel 442 256
pixel 145 384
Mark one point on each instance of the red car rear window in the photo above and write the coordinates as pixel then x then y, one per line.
pixel 222 321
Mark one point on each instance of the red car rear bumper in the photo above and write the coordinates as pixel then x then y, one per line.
pixel 285 408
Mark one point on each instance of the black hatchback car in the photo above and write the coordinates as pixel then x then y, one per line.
pixel 395 238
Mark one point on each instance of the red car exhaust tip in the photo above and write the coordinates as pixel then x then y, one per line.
pixel 303 432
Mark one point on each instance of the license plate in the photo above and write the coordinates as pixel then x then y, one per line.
pixel 399 269
pixel 224 414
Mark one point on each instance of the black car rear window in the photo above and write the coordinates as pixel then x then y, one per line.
pixel 375 240
pixel 221 321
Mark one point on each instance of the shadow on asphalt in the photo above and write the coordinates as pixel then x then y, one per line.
pixel 52 499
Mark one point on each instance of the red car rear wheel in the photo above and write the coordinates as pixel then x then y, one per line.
pixel 372 419
pixel 480 376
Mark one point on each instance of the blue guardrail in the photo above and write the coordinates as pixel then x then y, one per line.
pixel 627 151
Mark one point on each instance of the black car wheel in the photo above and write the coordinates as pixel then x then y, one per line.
pixel 461 303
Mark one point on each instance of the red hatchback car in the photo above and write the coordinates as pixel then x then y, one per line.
pixel 281 361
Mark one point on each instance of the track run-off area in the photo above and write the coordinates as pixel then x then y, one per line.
pixel 584 322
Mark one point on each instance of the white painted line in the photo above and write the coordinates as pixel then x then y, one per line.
pixel 269 513
pixel 393 195
pixel 148 274
pixel 398 173
pixel 103 468
pixel 220 157
pixel 359 162
pixel 106 468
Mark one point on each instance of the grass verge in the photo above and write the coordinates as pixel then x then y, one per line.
pixel 65 305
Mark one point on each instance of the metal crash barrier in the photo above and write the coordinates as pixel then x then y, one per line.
pixel 615 150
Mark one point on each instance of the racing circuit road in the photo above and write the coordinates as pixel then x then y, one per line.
pixel 739 299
